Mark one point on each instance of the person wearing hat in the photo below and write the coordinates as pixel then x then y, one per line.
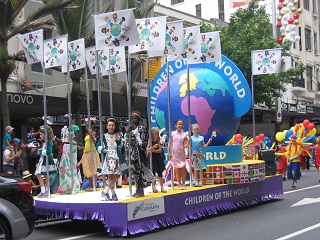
pixel 293 152
pixel 26 175
pixel 7 137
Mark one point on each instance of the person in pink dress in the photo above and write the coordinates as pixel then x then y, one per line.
pixel 177 153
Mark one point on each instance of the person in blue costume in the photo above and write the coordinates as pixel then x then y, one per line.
pixel 198 161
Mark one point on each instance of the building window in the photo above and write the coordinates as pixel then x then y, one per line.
pixel 306 4
pixel 308 39
pixel 314 6
pixel 198 10
pixel 221 9
pixel 309 77
pixel 173 2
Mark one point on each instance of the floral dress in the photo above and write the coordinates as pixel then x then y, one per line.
pixel 197 153
pixel 113 161
pixel 41 167
pixel 67 166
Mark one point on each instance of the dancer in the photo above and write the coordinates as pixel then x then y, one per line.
pixel 112 157
pixel 282 161
pixel 41 167
pixel 157 159
pixel 138 143
pixel 197 146
pixel 68 160
pixel 177 152
pixel 293 156
pixel 86 160
pixel 316 155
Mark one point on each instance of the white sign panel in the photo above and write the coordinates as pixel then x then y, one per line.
pixel 145 208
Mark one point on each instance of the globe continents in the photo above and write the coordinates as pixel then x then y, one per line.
pixel 211 104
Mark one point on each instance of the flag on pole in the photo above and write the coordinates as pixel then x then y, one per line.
pixel 210 47
pixel 266 61
pixel 115 29
pixel 32 44
pixel 192 45
pixel 102 58
pixel 152 33
pixel 76 54
pixel 117 60
pixel 55 51
pixel 174 43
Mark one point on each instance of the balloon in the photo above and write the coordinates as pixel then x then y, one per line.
pixel 306 123
pixel 238 137
pixel 279 40
pixel 310 126
pixel 290 20
pixel 288 135
pixel 297 38
pixel 297 127
pixel 257 139
pixel 280 6
pixel 279 136
pixel 296 22
pixel 296 16
pixel 313 131
pixel 292 128
pixel 261 136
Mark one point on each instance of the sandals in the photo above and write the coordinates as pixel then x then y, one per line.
pixel 180 187
pixel 163 190
pixel 154 190
pixel 183 187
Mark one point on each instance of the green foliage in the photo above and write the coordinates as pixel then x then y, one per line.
pixel 249 29
pixel 205 27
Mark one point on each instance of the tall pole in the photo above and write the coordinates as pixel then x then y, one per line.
pixel 110 87
pixel 129 118
pixel 149 110
pixel 253 119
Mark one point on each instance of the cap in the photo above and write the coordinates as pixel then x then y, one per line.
pixel 17 140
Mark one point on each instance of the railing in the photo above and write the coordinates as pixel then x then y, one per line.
pixel 300 83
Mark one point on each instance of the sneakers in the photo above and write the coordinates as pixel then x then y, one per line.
pixel 284 179
pixel 106 196
pixel 294 184
pixel 42 195
pixel 114 197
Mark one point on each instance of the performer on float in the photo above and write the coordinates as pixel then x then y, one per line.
pixel 86 159
pixel 198 161
pixel 68 160
pixel 157 158
pixel 41 167
pixel 138 144
pixel 177 153
pixel 110 149
pixel 316 155
pixel 293 157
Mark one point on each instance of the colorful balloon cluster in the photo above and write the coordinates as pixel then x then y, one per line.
pixel 288 20
pixel 304 132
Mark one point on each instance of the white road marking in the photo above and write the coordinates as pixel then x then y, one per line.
pixel 299 232
pixel 82 236
pixel 306 201
pixel 302 189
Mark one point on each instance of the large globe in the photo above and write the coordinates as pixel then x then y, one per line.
pixel 211 104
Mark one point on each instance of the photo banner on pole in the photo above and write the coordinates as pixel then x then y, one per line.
pixel 210 47
pixel 192 45
pixel 266 61
pixel 174 43
pixel 152 33
pixel 76 54
pixel 56 51
pixel 32 44
pixel 115 29
pixel 117 60
pixel 103 56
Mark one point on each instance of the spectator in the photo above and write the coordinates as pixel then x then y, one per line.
pixel 7 137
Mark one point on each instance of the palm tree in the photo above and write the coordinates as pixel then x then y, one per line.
pixel 9 27
pixel 77 23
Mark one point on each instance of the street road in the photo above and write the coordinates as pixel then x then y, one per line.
pixel 293 216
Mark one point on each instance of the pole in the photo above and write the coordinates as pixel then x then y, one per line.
pixel 149 111
pixel 110 87
pixel 129 113
pixel 253 119
pixel 44 82
pixel 189 123
pixel 169 118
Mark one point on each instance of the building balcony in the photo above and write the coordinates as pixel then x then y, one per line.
pixel 299 87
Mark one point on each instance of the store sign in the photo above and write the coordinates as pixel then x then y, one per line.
pixel 292 107
pixel 309 110
pixel 301 109
pixel 20 98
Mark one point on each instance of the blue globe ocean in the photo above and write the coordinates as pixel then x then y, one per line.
pixel 211 104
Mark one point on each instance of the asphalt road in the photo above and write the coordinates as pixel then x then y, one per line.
pixel 293 216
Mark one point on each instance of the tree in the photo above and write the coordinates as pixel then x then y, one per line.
pixel 248 30
pixel 9 27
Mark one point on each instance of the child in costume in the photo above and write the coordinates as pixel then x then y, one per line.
pixel 282 161
pixel 177 152
pixel 157 161
pixel 197 146
pixel 110 149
